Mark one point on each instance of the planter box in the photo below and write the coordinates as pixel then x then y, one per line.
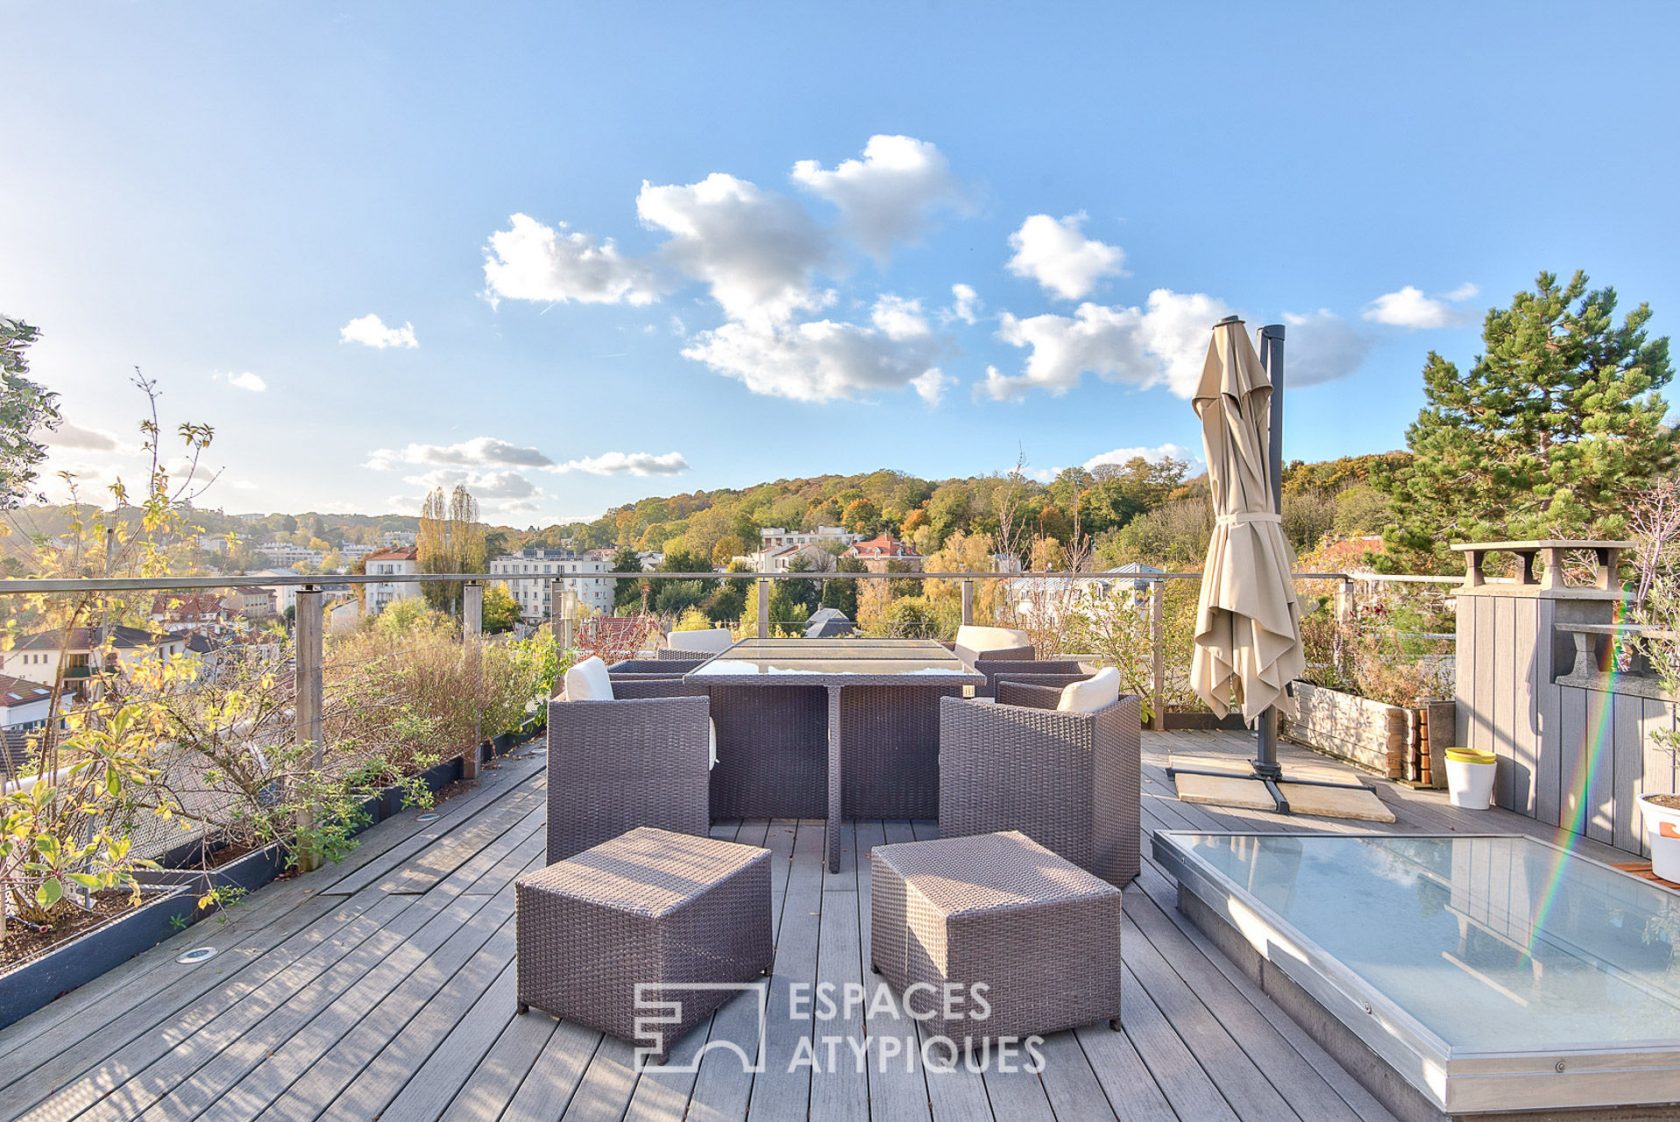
pixel 249 871
pixel 31 985
pixel 1363 732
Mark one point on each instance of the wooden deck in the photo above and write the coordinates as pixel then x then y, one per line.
pixel 384 987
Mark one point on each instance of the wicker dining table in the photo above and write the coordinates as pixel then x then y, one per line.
pixel 889 689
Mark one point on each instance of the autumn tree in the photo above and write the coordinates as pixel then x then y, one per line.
pixel 450 540
pixel 501 610
pixel 861 517
pixel 1543 436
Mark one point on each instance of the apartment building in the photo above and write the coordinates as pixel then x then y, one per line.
pixel 527 573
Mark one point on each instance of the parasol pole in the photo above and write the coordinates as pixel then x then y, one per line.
pixel 1266 766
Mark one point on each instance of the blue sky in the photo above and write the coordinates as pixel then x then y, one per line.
pixel 743 224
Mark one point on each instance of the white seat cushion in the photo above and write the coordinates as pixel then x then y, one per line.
pixel 1100 690
pixel 973 638
pixel 711 726
pixel 588 681
pixel 711 640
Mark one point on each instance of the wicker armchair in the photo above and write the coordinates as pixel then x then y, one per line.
pixel 651 668
pixel 1064 670
pixel 1069 781
pixel 642 759
pixel 975 645
pixel 677 654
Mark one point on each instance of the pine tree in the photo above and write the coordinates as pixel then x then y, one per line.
pixel 1544 437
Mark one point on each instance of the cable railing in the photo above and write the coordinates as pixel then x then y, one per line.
pixel 566 608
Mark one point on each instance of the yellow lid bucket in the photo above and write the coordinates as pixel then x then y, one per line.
pixel 1471 756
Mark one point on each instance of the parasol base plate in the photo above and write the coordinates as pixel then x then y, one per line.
pixel 1269 775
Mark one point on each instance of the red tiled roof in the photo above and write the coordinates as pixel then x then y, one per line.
pixel 395 553
pixel 883 545
pixel 19 691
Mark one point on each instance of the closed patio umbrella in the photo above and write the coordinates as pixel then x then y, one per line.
pixel 1248 633
pixel 1248 625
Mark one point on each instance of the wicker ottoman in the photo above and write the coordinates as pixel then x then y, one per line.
pixel 1042 934
pixel 672 913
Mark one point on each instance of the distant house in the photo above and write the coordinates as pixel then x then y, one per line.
pixel 84 654
pixel 184 611
pixel 250 603
pixel 879 552
pixel 283 597
pixel 776 560
pixel 529 573
pixel 395 561
pixel 23 704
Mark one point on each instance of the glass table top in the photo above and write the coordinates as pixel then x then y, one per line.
pixel 1493 944
pixel 877 657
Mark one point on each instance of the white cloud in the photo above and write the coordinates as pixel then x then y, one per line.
pixel 1162 344
pixel 1123 456
pixel 898 318
pixel 531 261
pixel 1410 308
pixel 244 380
pixel 494 487
pixel 1057 254
pixel 824 360
pixel 755 249
pixel 965 304
pixel 82 439
pixel 889 195
pixel 1176 329
pixel 930 385
pixel 1321 347
pixel 626 463
pixel 480 451
pixel 371 331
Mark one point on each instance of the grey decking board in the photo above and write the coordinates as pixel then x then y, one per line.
pixel 298 1057
pixel 358 1050
pixel 1187 1088
pixel 777 1091
pixel 295 1057
pixel 898 1091
pixel 554 1077
pixel 447 1067
pixel 133 1077
pixel 162 992
pixel 1129 1084
pixel 385 1074
pixel 1069 1083
pixel 1241 1079
pixel 1349 1088
pixel 722 1088
pixel 487 1093
pixel 77 1085
pixel 217 1060
pixel 840 1091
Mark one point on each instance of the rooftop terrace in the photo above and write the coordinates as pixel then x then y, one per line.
pixel 384 987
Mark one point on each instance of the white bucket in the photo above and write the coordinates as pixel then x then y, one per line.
pixel 1470 785
pixel 1662 826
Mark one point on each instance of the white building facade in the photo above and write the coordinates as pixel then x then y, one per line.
pixel 527 574
pixel 402 561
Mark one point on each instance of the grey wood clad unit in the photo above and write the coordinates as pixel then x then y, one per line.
pixel 1574 750
pixel 396 997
